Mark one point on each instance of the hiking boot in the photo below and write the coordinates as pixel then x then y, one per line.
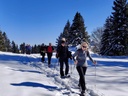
pixel 62 77
pixel 67 76
pixel 82 93
pixel 79 85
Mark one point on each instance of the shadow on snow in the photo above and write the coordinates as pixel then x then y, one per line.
pixel 34 84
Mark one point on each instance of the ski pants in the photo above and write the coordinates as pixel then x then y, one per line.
pixel 43 57
pixel 62 61
pixel 82 71
pixel 49 58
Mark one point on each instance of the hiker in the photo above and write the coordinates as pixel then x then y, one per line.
pixel 28 49
pixel 63 54
pixel 42 52
pixel 50 50
pixel 80 59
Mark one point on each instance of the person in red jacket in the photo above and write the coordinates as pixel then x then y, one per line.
pixel 50 50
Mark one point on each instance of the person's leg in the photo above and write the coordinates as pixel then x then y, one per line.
pixel 67 67
pixel 48 59
pixel 84 70
pixel 50 56
pixel 82 79
pixel 61 68
pixel 43 57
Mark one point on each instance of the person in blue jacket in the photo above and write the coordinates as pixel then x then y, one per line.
pixel 80 59
pixel 28 49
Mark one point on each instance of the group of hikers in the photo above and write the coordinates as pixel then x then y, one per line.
pixel 63 54
pixel 46 49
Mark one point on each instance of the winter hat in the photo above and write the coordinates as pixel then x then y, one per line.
pixel 63 39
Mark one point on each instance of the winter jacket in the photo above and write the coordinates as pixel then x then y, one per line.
pixel 81 57
pixel 50 49
pixel 63 52
pixel 42 50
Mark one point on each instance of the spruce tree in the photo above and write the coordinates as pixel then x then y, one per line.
pixel 119 27
pixel 64 34
pixel 14 47
pixel 7 46
pixel 118 38
pixel 127 29
pixel 66 31
pixel 1 41
pixel 77 32
pixel 106 46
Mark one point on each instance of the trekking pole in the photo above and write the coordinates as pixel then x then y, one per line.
pixel 95 76
pixel 71 66
pixel 56 63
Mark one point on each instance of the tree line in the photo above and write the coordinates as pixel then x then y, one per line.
pixel 10 46
pixel 110 40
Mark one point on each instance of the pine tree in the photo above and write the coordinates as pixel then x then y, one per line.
pixel 127 29
pixel 107 38
pixel 117 40
pixel 7 46
pixel 14 47
pixel 78 32
pixel 119 27
pixel 1 41
pixel 65 33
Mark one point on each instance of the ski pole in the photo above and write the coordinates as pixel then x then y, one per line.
pixel 71 66
pixel 95 76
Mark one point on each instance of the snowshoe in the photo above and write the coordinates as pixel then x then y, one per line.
pixel 67 76
pixel 82 93
pixel 62 77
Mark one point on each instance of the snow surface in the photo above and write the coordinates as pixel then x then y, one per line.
pixel 25 75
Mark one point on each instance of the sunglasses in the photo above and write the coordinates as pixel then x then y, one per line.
pixel 84 46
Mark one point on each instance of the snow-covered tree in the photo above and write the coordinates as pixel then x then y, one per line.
pixel 106 40
pixel 127 29
pixel 65 33
pixel 1 41
pixel 119 27
pixel 117 40
pixel 77 31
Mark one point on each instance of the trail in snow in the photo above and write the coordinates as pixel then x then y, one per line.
pixel 68 86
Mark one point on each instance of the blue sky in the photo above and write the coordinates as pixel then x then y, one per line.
pixel 42 21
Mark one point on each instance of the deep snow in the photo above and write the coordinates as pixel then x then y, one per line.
pixel 25 75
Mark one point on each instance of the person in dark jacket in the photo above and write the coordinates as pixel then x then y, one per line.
pixel 50 50
pixel 80 59
pixel 42 52
pixel 63 54
pixel 28 49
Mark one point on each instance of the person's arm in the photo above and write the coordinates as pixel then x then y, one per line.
pixel 88 54
pixel 52 48
pixel 75 55
pixel 57 51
